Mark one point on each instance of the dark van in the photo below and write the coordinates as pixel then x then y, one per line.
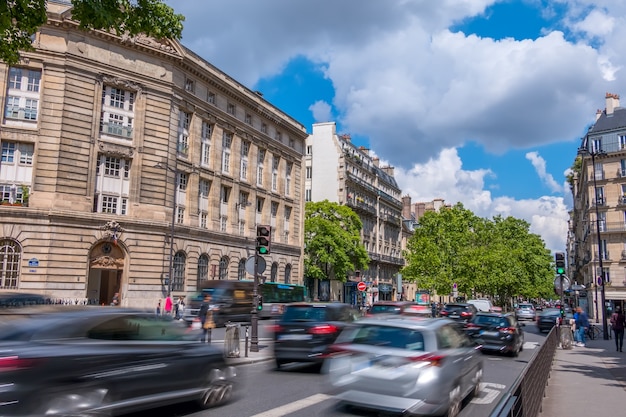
pixel 233 300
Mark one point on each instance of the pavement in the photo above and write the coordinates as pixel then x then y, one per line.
pixel 587 381
pixel 242 356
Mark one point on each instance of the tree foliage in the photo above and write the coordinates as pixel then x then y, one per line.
pixel 20 19
pixel 332 241
pixel 497 257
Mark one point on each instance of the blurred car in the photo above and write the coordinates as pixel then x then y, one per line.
pixel 419 310
pixel 460 312
pixel 390 307
pixel 305 331
pixel 103 361
pixel 525 311
pixel 409 365
pixel 497 332
pixel 482 304
pixel 20 299
pixel 547 318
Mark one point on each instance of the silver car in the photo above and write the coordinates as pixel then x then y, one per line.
pixel 525 312
pixel 406 365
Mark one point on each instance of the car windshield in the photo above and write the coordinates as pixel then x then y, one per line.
pixel 456 308
pixel 491 321
pixel 526 306
pixel 386 336
pixel 379 309
pixel 305 313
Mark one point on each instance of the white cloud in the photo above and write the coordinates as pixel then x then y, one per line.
pixel 540 166
pixel 322 111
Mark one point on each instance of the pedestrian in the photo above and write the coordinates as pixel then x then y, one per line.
pixel 618 323
pixel 179 308
pixel 582 325
pixel 116 299
pixel 168 305
pixel 158 308
pixel 206 318
pixel 576 335
pixel 433 309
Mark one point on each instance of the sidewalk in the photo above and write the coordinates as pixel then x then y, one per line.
pixel 587 381
pixel 265 352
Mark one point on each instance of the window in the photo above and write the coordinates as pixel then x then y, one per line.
pixel 210 97
pixel 259 205
pixel 231 109
pixel 203 219
pixel 184 124
pixel 241 270
pixel 275 164
pixel 288 169
pixel 182 180
pixel 274 209
pixel 204 186
pixel 189 85
pixel 205 143
pixel 292 143
pixel 203 269
pixel 264 127
pixel 287 213
pixel 307 195
pixel 223 272
pixel 116 118
pixel 288 274
pixel 259 171
pixel 227 139
pixel 178 266
pixel 8 152
pixel 224 194
pixel 274 272
pixel 112 185
pixel 22 96
pixel 248 118
pixel 243 170
pixel 10 260
pixel 278 136
pixel 180 214
pixel 309 150
pixel 309 173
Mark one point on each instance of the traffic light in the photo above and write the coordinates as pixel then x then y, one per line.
pixel 562 311
pixel 259 302
pixel 263 239
pixel 559 257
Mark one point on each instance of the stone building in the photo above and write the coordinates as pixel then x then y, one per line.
pixel 338 171
pixel 129 161
pixel 596 243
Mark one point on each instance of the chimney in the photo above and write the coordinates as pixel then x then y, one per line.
pixel 598 114
pixel 406 207
pixel 376 162
pixel 420 209
pixel 346 137
pixel 612 102
pixel 364 150
pixel 388 170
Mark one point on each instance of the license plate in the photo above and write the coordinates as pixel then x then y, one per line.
pixel 294 337
pixel 454 316
pixel 485 333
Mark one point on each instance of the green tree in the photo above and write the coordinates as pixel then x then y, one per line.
pixel 332 241
pixel 497 257
pixel 20 19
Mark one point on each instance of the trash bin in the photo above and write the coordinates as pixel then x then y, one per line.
pixel 231 340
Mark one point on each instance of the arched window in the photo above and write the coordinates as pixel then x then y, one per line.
pixel 241 271
pixel 178 283
pixel 288 274
pixel 10 258
pixel 274 272
pixel 223 268
pixel 203 269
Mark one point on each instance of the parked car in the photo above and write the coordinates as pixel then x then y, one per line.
pixel 547 318
pixel 390 307
pixel 497 332
pixel 404 364
pixel 525 311
pixel 482 304
pixel 306 330
pixel 460 312
pixel 106 361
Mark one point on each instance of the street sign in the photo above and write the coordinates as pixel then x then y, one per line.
pixel 361 286
pixel 599 281
pixel 250 265
pixel 557 283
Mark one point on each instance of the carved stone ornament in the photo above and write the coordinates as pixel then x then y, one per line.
pixel 123 84
pixel 114 149
pixel 164 45
pixel 107 262
pixel 112 230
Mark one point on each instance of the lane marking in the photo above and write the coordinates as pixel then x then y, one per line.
pixel 530 345
pixel 294 406
pixel 490 394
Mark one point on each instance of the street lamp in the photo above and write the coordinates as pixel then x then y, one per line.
pixel 605 329
pixel 173 222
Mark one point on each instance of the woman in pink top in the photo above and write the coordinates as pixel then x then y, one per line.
pixel 168 305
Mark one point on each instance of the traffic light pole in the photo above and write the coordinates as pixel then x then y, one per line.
pixel 254 343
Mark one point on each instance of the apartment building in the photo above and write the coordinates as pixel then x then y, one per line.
pixel 338 171
pixel 135 166
pixel 596 243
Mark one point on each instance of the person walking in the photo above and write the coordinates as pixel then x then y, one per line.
pixel 582 324
pixel 168 305
pixel 179 308
pixel 206 318
pixel 158 308
pixel 618 323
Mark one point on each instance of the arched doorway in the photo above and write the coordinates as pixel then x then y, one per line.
pixel 106 270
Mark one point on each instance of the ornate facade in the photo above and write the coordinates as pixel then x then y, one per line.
pixel 134 166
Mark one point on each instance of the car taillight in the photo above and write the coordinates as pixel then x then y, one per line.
pixel 324 329
pixel 472 326
pixel 276 328
pixel 11 363
pixel 465 314
pixel 334 351
pixel 433 360
pixel 443 313
pixel 508 330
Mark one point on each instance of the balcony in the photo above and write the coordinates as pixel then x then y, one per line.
pixel 115 129
pixel 609 227
pixel 600 202
pixel 621 200
pixel 20 113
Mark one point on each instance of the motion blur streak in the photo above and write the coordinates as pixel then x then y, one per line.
pixel 294 406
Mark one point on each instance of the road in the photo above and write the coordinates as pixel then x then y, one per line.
pixel 298 391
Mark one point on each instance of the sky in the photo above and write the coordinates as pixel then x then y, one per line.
pixel 482 102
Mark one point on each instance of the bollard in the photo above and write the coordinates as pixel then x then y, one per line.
pixel 247 326
pixel 231 340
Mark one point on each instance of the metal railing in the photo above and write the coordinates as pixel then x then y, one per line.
pixel 525 396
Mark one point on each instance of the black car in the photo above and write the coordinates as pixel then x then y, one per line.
pixel 547 319
pixel 390 307
pixel 497 332
pixel 105 361
pixel 459 312
pixel 306 330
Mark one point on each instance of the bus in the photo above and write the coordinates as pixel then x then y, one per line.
pixel 276 295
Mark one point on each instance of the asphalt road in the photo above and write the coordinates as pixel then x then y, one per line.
pixel 298 391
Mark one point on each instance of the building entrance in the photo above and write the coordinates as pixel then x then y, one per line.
pixel 106 273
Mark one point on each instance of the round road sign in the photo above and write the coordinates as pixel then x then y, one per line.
pixel 361 286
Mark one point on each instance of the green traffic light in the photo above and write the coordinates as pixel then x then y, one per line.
pixel 560 271
pixel 262 250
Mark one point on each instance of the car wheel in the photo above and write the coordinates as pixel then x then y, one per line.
pixel 455 402
pixel 478 377
pixel 279 363
pixel 215 394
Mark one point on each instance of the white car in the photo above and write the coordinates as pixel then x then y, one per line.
pixel 482 305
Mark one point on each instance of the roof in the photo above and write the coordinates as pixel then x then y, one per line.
pixel 616 121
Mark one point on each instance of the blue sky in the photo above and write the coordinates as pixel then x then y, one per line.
pixel 478 101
